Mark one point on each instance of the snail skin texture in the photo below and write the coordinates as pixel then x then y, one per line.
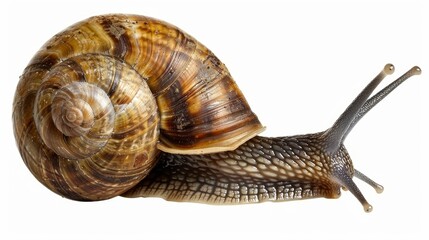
pixel 133 106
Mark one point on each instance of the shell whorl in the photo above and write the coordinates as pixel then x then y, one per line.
pixel 80 122
pixel 99 99
pixel 97 136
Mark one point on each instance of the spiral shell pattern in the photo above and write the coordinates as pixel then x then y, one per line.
pixel 99 99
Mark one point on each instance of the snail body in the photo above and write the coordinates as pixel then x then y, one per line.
pixel 133 106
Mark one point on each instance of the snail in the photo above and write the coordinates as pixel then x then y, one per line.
pixel 127 105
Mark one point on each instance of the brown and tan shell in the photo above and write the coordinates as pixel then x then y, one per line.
pixel 99 99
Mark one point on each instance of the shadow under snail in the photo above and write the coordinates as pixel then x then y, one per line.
pixel 133 106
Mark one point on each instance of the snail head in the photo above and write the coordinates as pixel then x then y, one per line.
pixel 333 138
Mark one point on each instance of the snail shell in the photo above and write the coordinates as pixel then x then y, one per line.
pixel 99 100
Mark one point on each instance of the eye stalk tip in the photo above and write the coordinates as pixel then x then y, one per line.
pixel 416 70
pixel 389 69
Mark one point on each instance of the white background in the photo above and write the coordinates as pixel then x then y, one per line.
pixel 299 63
